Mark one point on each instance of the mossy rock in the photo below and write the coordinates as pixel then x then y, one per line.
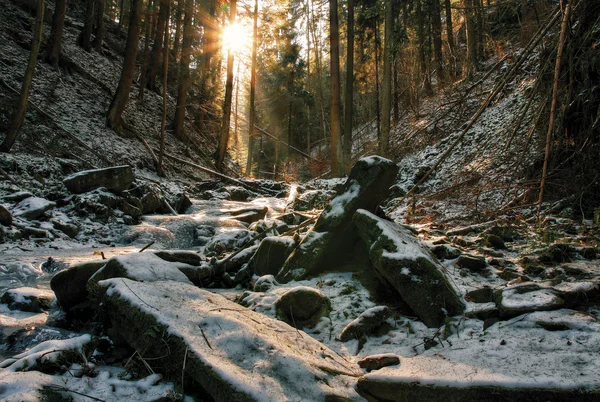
pixel 69 285
pixel 271 255
pixel 471 262
pixel 369 322
pixel 526 298
pixel 28 299
pixel 302 307
pixel 557 253
pixel 494 241
pixel 445 252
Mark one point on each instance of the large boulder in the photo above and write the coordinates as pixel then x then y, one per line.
pixel 117 178
pixel 69 285
pixel 410 268
pixel 302 306
pixel 369 322
pixel 32 208
pixel 526 298
pixel 28 299
pixel 330 239
pixel 5 216
pixel 271 254
pixel 232 353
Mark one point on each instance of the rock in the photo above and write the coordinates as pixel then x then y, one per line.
pixel 227 241
pixel 237 193
pixel 145 267
pixel 117 179
pixel 368 323
pixel 17 197
pixel 470 262
pixel 312 199
pixel 32 208
pixel 557 253
pixel 131 210
pixel 5 217
pixel 186 257
pixel 51 265
pixel 36 233
pixel 302 306
pixel 232 353
pixel 578 293
pixel 332 236
pixel 265 283
pixel 494 241
pixel 70 285
pixel 445 252
pixel 152 202
pixel 506 233
pixel 483 295
pixel 181 203
pixel 376 362
pixel 248 215
pixel 271 254
pixel 70 229
pixel 28 299
pixel 410 268
pixel 589 253
pixel 526 298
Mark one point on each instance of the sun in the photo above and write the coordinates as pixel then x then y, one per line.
pixel 235 37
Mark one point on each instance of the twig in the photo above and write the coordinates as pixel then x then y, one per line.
pixel 135 294
pixel 183 368
pixel 8 177
pixel 147 245
pixel 302 225
pixel 65 389
pixel 205 338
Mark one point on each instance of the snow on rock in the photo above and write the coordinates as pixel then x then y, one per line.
pixel 410 268
pixel 368 184
pixel 28 299
pixel 69 285
pixel 117 178
pixel 527 297
pixel 32 208
pixel 231 352
pixel 271 255
pixel 368 323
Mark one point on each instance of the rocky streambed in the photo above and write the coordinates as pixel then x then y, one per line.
pixel 263 291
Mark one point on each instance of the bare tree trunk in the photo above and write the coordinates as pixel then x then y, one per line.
pixel 421 45
pixel 99 25
pixel 436 31
pixel 184 69
pixel 387 81
pixel 163 124
pixel 117 106
pixel 349 104
pixel 19 115
pixel 320 76
pixel 177 40
pixel 224 135
pixel 85 37
pixel 52 55
pixel 252 91
pixel 377 108
pixel 337 167
pixel 154 64
pixel 471 38
pixel 450 37
pixel 144 67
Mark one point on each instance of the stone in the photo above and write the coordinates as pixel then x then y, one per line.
pixel 368 323
pixel 271 255
pixel 181 202
pixel 5 216
pixel 302 306
pixel 131 210
pixel 483 295
pixel 445 252
pixel 494 241
pixel 471 262
pixel 248 215
pixel 408 266
pixel 69 285
pixel 312 199
pixel 578 293
pixel 265 283
pixel 332 236
pixel 589 253
pixel 17 197
pixel 237 193
pixel 28 299
pixel 377 362
pixel 557 253
pixel 232 353
pixel 526 298
pixel 117 179
pixel 68 228
pixel 152 202
pixel 32 208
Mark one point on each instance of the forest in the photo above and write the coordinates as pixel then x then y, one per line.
pixel 299 200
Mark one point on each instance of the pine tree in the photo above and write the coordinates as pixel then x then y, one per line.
pixel 349 104
pixel 387 81
pixel 337 167
pixel 52 55
pixel 184 69
pixel 85 37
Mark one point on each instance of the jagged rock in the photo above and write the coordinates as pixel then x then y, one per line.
pixel 578 293
pixel 52 265
pixel 410 268
pixel 483 295
pixel 557 253
pixel 237 193
pixel 234 354
pixel 152 202
pixel 131 210
pixel 69 285
pixel 145 267
pixel 445 252
pixel 5 216
pixel 302 306
pixel 589 253
pixel 265 283
pixel 181 202
pixel 332 236
pixel 271 254
pixel 470 262
pixel 368 323
pixel 377 362
pixel 227 241
pixel 31 232
pixel 118 178
pixel 494 241
pixel 248 215
pixel 70 229
pixel 312 199
pixel 32 208
pixel 526 298
pixel 17 197
pixel 28 299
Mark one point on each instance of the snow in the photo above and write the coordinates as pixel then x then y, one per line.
pixel 336 206
pixel 148 267
pixel 24 295
pixel 374 160
pixel 511 298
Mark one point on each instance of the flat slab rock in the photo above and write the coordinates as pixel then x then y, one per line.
pixel 32 208
pixel 117 178
pixel 517 360
pixel 235 354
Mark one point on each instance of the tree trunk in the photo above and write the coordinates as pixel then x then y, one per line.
pixel 177 40
pixel 85 37
pixel 337 167
pixel 377 108
pixel 387 81
pixel 450 37
pixel 436 31
pixel 55 41
pixel 421 44
pixel 99 25
pixel 154 64
pixel 119 101
pixel 163 125
pixel 19 116
pixel 471 38
pixel 349 105
pixel 184 69
pixel 224 134
pixel 252 91
pixel 144 66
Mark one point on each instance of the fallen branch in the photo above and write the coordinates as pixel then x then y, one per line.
pixel 146 246
pixel 8 177
pixel 60 388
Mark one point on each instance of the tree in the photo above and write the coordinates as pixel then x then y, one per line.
pixel 162 25
pixel 251 111
pixel 85 37
pixel 224 133
pixel 144 68
pixel 52 55
pixel 99 25
pixel 117 106
pixel 163 124
pixel 177 40
pixel 184 69
pixel 450 35
pixel 436 33
pixel 471 38
pixel 19 116
pixel 421 45
pixel 336 125
pixel 349 105
pixel 387 81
